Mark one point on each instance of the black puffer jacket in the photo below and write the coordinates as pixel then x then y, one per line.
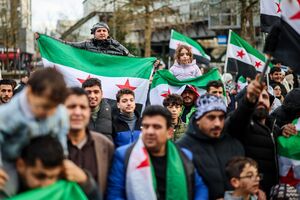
pixel 108 46
pixel 103 123
pixel 290 108
pixel 258 140
pixel 210 157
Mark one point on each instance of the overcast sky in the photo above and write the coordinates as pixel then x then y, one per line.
pixel 45 13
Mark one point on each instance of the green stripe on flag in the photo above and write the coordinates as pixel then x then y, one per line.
pixel 177 36
pixel 166 77
pixel 94 63
pixel 235 39
pixel 290 147
pixel 61 190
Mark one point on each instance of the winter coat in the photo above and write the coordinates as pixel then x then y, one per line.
pixel 117 177
pixel 259 141
pixel 122 134
pixel 108 46
pixel 289 110
pixel 182 72
pixel 210 156
pixel 103 123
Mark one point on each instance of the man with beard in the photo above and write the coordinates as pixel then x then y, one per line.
pixel 257 131
pixel 6 91
pixel 189 96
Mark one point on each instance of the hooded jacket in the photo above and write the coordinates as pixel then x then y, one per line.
pixel 211 156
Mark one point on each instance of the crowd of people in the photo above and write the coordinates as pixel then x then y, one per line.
pixel 191 147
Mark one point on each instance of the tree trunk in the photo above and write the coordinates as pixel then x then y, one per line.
pixel 148 30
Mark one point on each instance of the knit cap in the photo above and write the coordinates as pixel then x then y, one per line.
pixel 207 103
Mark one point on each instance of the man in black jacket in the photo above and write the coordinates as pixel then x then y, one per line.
pixel 211 146
pixel 101 120
pixel 257 131
pixel 100 43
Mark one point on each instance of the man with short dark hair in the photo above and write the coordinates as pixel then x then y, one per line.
pixel 211 145
pixel 215 88
pixel 101 120
pixel 127 123
pixel 275 77
pixel 88 149
pixel 40 167
pixel 154 159
pixel 6 91
pixel 174 103
pixel 189 96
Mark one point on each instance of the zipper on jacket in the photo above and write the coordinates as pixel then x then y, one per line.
pixel 275 150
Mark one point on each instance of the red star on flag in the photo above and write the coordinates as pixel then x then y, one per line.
pixel 240 54
pixel 290 178
pixel 82 80
pixel 127 85
pixel 257 64
pixel 297 15
pixel 144 163
pixel 167 93
pixel 278 8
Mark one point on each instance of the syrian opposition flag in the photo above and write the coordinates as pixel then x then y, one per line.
pixel 198 52
pixel 270 13
pixel 289 157
pixel 241 83
pixel 242 58
pixel 115 72
pixel 283 42
pixel 61 190
pixel 164 83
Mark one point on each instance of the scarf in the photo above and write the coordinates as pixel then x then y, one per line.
pixel 140 175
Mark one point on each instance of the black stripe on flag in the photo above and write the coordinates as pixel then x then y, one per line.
pixel 240 68
pixel 267 21
pixel 283 43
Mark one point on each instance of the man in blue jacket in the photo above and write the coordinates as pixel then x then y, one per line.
pixel 154 167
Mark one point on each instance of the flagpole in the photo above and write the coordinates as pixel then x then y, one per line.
pixel 261 78
pixel 169 62
pixel 226 60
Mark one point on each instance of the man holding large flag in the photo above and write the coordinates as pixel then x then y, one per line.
pixel 153 168
pixel 115 72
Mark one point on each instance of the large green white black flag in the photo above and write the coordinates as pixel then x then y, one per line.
pixel 115 72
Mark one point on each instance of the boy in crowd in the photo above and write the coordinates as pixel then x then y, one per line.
pixel 174 103
pixel 243 176
pixel 127 123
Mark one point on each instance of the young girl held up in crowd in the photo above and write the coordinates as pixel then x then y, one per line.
pixel 184 66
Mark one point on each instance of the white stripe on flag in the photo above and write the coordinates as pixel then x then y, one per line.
pixel 109 84
pixel 247 58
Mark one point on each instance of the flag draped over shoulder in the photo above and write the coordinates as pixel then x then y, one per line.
pixel 164 83
pixel 198 52
pixel 283 42
pixel 270 13
pixel 242 57
pixel 289 157
pixel 141 180
pixel 115 72
pixel 62 190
